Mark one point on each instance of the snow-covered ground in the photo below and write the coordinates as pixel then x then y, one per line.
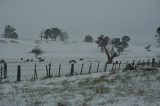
pixel 129 88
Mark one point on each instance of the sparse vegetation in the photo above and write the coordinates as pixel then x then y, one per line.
pixel 37 51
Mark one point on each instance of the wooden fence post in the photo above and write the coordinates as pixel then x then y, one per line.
pixel 49 73
pixel 98 67
pixel 72 69
pixel 153 62
pixel 105 69
pixel 82 69
pixel 90 68
pixel 5 70
pixel 133 63
pixel 18 73
pixel 59 73
pixel 35 72
pixel 1 73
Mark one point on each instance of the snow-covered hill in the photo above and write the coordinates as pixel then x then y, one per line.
pixel 122 88
pixel 16 49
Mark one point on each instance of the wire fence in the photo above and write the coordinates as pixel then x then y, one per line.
pixel 36 70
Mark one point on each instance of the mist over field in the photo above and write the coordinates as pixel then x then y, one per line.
pixel 79 52
pixel 135 18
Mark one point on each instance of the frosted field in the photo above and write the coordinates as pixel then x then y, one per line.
pixel 131 88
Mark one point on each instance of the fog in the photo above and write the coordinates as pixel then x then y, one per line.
pixel 135 18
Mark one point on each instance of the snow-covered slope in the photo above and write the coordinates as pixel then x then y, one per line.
pixel 122 88
pixel 16 49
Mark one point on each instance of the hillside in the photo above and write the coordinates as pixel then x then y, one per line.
pixel 16 49
pixel 119 88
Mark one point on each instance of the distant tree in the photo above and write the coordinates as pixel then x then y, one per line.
pixel 158 36
pixel 55 32
pixel 47 34
pixel 126 39
pixel 158 31
pixel 64 36
pixel 115 41
pixel 103 42
pixel 123 44
pixel 9 32
pixel 88 39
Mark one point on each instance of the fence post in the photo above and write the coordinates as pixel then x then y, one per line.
pixel 98 67
pixel 46 71
pixel 153 62
pixel 1 73
pixel 18 73
pixel 90 68
pixel 105 69
pixel 5 70
pixel 35 72
pixel 133 62
pixel 49 73
pixel 82 69
pixel 72 69
pixel 59 73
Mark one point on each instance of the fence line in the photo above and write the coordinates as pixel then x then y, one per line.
pixel 54 70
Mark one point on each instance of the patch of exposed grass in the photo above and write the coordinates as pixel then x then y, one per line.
pixel 67 86
pixel 102 89
pixel 87 81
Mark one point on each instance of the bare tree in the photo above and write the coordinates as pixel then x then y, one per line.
pixel 103 42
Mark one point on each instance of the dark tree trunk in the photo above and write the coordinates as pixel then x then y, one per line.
pixel 110 57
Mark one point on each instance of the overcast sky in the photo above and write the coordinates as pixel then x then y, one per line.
pixel 136 18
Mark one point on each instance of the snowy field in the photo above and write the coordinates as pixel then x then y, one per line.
pixel 123 88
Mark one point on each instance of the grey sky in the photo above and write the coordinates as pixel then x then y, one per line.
pixel 136 18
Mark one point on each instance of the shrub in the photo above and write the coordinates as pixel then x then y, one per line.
pixel 37 51
pixel 88 39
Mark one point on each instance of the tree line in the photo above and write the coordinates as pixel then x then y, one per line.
pixel 105 44
pixel 50 33
pixel 53 33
